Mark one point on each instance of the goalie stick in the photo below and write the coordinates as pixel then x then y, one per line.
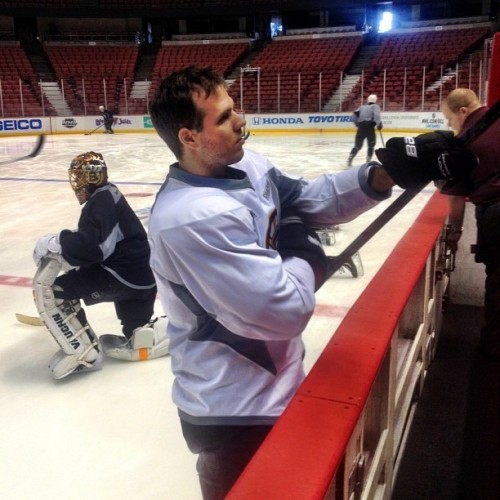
pixel 36 150
pixel 336 262
pixel 29 320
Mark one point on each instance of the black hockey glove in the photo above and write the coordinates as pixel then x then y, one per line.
pixel 438 156
pixel 296 239
pixel 380 126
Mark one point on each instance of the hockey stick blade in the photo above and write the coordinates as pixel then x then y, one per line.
pixel 29 320
pixel 36 150
pixel 336 262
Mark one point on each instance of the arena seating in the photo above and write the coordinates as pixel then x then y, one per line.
pixel 292 73
pixel 296 67
pixel 222 56
pixel 94 75
pixel 19 91
pixel 409 63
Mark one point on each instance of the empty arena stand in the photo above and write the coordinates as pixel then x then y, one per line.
pixel 295 73
pixel 93 75
pixel 19 90
pixel 306 70
pixel 222 55
pixel 409 67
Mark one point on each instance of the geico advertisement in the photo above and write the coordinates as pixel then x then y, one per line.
pixel 21 124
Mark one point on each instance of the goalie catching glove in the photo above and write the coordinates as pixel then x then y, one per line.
pixel 438 156
pixel 296 239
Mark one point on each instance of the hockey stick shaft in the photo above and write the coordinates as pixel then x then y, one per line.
pixel 335 263
pixel 97 128
pixel 374 227
pixel 381 138
pixel 36 150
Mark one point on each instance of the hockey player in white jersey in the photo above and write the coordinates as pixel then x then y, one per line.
pixel 366 118
pixel 109 256
pixel 237 264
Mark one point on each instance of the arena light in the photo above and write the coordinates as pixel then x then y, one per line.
pixel 385 23
pixel 275 29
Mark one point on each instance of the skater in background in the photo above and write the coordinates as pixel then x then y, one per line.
pixel 366 118
pixel 108 118
pixel 237 264
pixel 463 109
pixel 109 255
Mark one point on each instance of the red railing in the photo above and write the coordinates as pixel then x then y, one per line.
pixel 343 430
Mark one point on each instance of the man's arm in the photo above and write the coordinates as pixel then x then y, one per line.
pixel 457 211
pixel 455 220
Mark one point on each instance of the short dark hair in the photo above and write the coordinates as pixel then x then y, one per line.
pixel 172 107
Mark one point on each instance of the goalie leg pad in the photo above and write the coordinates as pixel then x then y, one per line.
pixel 66 322
pixel 61 365
pixel 147 342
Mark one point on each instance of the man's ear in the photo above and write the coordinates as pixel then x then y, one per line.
pixel 187 138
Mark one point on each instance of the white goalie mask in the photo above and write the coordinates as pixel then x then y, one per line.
pixel 87 172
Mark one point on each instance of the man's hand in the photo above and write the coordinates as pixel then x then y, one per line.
pixel 296 239
pixel 379 179
pixel 453 235
pixel 438 156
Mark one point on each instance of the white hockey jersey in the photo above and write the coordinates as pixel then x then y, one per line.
pixel 236 310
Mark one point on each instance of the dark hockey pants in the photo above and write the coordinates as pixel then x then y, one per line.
pixel 223 452
pixel 134 307
pixel 488 248
pixel 366 130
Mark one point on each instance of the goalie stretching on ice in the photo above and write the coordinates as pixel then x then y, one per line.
pixel 110 252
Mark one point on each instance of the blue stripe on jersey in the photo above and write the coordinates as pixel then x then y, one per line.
pixel 209 329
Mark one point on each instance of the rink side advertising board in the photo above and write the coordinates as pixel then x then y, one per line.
pixel 256 123
pixel 342 122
